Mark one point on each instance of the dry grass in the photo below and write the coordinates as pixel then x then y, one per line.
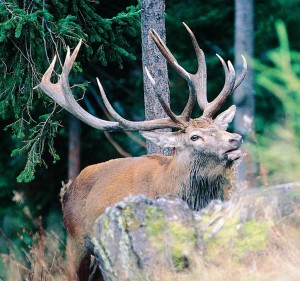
pixel 278 262
pixel 271 267
pixel 43 261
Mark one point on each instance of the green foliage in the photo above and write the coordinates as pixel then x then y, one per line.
pixel 30 34
pixel 43 133
pixel 280 76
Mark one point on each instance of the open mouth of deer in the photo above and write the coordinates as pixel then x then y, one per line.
pixel 233 154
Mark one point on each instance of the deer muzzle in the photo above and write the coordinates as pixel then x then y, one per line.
pixel 234 152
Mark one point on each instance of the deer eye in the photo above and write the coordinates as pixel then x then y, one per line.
pixel 194 137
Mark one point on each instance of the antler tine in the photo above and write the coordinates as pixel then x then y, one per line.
pixel 56 94
pixel 136 125
pixel 70 59
pixel 242 75
pixel 225 67
pixel 216 104
pixel 110 109
pixel 163 103
pixel 200 77
pixel 168 55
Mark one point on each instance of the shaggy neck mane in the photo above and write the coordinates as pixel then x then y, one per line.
pixel 205 182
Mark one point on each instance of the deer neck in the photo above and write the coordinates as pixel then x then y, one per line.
pixel 199 178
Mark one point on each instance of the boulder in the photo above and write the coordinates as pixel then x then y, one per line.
pixel 240 239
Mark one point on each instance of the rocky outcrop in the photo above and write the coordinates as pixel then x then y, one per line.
pixel 162 239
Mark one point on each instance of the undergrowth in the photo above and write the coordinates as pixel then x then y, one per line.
pixel 43 260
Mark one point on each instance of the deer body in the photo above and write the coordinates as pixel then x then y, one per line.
pixel 203 151
pixel 192 173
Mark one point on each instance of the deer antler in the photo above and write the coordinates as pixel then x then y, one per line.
pixel 197 81
pixel 231 83
pixel 62 94
pixel 164 104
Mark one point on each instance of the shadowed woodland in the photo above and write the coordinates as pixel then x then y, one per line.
pixel 43 147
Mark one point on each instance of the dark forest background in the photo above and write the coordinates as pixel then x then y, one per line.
pixel 34 132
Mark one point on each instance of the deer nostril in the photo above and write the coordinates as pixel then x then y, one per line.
pixel 236 142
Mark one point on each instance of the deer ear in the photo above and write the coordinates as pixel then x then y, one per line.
pixel 162 139
pixel 224 118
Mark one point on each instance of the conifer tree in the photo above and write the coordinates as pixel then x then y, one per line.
pixel 31 33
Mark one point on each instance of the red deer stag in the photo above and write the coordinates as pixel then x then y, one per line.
pixel 203 150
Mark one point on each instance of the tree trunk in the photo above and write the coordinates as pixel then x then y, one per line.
pixel 244 95
pixel 241 239
pixel 74 148
pixel 153 17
